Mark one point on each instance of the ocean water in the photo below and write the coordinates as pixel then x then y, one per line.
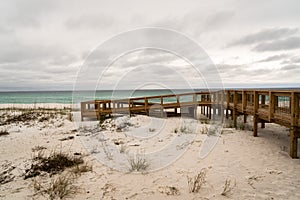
pixel 67 97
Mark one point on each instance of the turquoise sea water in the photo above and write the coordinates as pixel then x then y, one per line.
pixel 66 97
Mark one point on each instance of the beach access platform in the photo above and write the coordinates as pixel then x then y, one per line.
pixel 266 106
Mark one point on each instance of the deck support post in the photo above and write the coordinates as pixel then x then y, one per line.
pixel 195 105
pixel 214 112
pixel 263 125
pixel 245 118
pixel 293 142
pixel 222 113
pixel 255 117
pixel 146 106
pixel 161 112
pixel 129 106
pixel 221 106
pixel 255 122
pixel 227 104
pixel 271 106
pixel 234 118
pixel 294 130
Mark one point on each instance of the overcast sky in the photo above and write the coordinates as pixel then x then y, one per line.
pixel 43 44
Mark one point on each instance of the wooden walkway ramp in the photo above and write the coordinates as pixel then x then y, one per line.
pixel 266 106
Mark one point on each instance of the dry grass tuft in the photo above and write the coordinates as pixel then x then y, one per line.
pixel 138 163
pixel 228 187
pixel 60 188
pixel 197 182
pixel 204 130
pixel 38 148
pixel 168 190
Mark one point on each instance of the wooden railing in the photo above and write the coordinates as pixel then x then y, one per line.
pixel 266 106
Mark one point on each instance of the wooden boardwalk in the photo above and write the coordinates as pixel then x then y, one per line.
pixel 266 106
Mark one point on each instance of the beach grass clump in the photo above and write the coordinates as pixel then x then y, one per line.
pixel 54 163
pixel 151 129
pixel 138 163
pixel 6 174
pixel 195 183
pixel 61 187
pixel 228 187
pixel 4 132
pixel 175 130
pixel 30 114
pixel 204 130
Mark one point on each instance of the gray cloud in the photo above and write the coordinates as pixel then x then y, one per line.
pixel 295 59
pixel 274 58
pixel 292 60
pixel 268 34
pixel 242 75
pixel 279 45
pixel 90 22
pixel 291 67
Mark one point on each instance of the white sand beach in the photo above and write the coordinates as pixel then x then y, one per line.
pixel 252 167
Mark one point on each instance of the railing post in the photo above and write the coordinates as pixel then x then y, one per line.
pixel 146 106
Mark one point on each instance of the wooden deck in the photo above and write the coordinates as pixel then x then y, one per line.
pixel 266 106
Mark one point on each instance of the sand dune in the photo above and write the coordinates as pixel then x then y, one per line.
pixel 254 168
